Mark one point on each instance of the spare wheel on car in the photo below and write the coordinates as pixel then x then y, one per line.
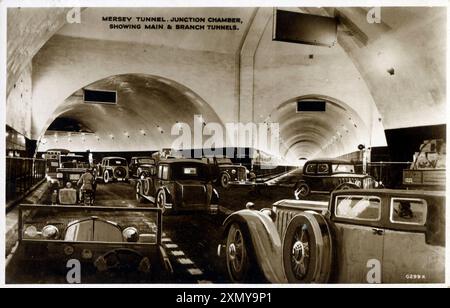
pixel 307 250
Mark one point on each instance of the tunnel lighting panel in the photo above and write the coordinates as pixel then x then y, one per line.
pixel 311 106
pixel 100 97
pixel 301 28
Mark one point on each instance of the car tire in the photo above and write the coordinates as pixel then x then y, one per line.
pixel 302 190
pixel 161 199
pixel 106 178
pixel 241 263
pixel 139 197
pixel 307 249
pixel 225 180
pixel 147 184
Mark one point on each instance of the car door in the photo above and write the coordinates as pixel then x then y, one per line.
pixel 408 258
pixel 132 167
pixel 162 177
pixel 359 238
pixel 310 176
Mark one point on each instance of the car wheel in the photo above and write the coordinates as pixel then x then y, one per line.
pixel 307 249
pixel 106 178
pixel 147 185
pixel 302 190
pixel 239 255
pixel 161 199
pixel 225 180
pixel 139 197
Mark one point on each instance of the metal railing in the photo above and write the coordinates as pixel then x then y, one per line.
pixel 390 172
pixel 21 175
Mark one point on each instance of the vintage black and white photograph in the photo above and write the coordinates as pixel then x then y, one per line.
pixel 250 145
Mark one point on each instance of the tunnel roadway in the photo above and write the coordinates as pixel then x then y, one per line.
pixel 190 240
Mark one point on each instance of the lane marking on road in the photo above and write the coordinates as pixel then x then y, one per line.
pixel 171 246
pixel 195 271
pixel 185 261
pixel 177 253
pixel 204 281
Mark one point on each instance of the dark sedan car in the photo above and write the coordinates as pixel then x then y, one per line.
pixel 141 166
pixel 326 175
pixel 179 185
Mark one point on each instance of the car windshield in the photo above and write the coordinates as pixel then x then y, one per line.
pixel 343 168
pixel 117 162
pixel 80 224
pixel 184 171
pixel 146 161
pixel 74 162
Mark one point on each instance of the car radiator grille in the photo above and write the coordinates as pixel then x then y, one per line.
pixel 343 180
pixel 284 216
pixel 241 174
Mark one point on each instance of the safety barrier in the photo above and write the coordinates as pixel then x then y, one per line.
pixel 21 175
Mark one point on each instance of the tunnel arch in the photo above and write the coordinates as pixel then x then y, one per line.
pixel 331 133
pixel 147 108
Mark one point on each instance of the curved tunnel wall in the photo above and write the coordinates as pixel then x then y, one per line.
pixel 147 108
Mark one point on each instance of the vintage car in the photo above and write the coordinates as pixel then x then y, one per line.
pixel 112 169
pixel 225 173
pixel 326 175
pixel 72 167
pixel 110 241
pixel 140 166
pixel 360 236
pixel 179 185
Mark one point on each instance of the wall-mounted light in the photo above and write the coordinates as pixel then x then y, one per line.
pixel 143 133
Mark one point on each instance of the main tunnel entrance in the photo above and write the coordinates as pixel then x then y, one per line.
pixel 331 131
pixel 141 120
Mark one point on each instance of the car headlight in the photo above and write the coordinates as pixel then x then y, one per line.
pixel 59 175
pixel 233 171
pixel 31 232
pixel 131 234
pixel 50 232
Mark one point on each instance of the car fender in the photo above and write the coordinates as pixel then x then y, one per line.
pixel 169 197
pixel 266 242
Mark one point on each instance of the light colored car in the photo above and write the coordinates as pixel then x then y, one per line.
pixel 360 236
pixel 112 169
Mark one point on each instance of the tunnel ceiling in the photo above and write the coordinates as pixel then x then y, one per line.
pixel 147 108
pixel 336 131
pixel 402 62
